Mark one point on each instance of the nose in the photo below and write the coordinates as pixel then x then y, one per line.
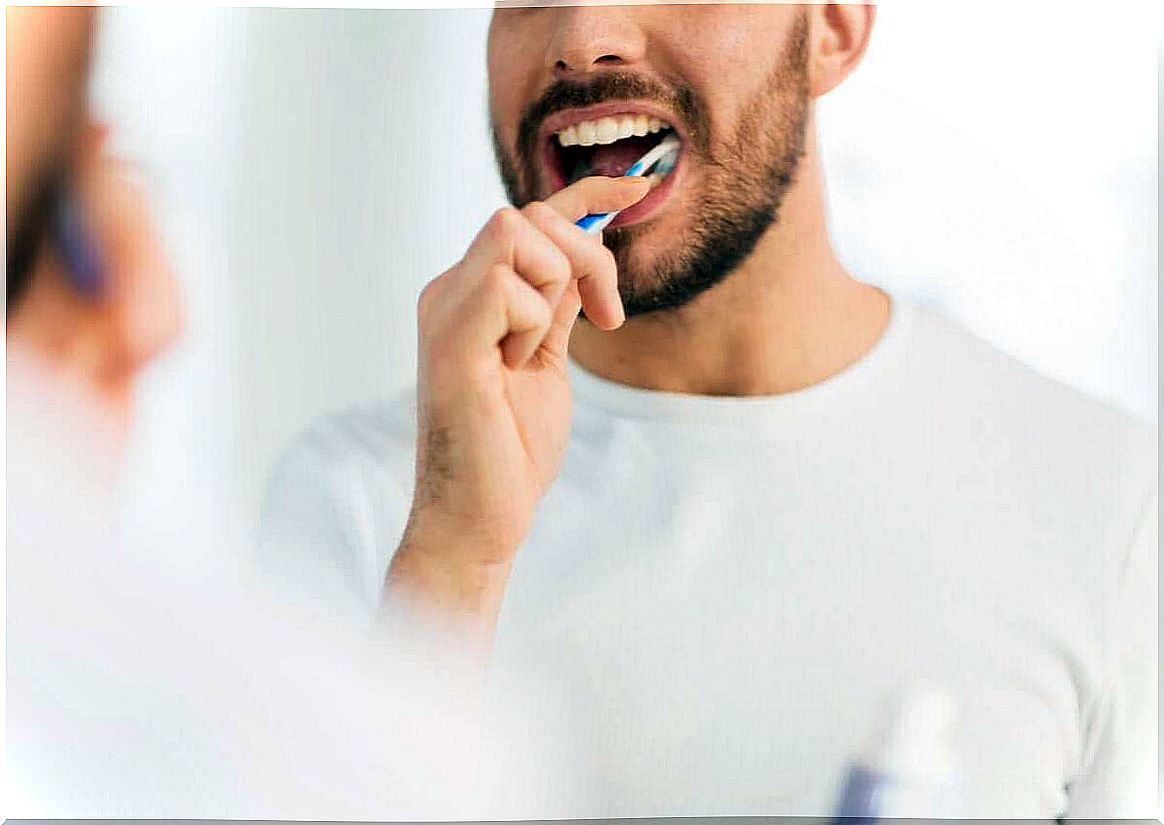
pixel 594 38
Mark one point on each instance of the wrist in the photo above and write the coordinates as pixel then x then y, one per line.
pixel 455 541
pixel 443 569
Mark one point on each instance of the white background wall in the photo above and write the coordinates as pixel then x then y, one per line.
pixel 313 169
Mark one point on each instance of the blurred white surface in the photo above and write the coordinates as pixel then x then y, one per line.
pixel 313 169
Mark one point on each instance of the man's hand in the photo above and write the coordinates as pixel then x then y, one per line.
pixel 95 341
pixel 493 392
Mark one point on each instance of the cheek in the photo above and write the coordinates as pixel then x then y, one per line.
pixel 505 107
pixel 509 73
pixel 725 53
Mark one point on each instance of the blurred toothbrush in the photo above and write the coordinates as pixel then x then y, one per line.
pixel 83 259
pixel 660 160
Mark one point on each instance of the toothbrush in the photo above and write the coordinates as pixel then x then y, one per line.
pixel 83 259
pixel 661 159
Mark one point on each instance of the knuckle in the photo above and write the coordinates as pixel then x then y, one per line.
pixel 545 312
pixel 541 212
pixel 560 268
pixel 540 319
pixel 601 263
pixel 495 280
pixel 537 310
pixel 504 222
pixel 429 297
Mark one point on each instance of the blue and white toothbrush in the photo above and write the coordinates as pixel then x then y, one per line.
pixel 660 160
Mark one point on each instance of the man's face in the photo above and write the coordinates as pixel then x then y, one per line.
pixel 729 80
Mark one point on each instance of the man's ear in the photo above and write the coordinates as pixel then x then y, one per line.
pixel 839 35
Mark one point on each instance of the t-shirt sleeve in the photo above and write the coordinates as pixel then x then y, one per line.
pixel 1120 778
pixel 314 546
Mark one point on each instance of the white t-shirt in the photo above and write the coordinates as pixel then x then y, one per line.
pixel 719 593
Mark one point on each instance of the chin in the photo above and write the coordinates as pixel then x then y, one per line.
pixel 643 248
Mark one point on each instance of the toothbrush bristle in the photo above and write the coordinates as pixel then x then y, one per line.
pixel 666 163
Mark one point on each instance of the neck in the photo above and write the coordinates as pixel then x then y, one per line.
pixel 789 317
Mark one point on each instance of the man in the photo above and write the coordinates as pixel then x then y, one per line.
pixel 743 496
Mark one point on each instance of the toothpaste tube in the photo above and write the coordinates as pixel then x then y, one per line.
pixel 907 768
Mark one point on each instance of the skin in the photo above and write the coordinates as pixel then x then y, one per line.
pixel 88 351
pixel 497 329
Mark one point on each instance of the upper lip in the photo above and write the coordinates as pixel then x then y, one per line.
pixel 568 117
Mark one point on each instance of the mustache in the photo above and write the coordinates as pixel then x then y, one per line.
pixel 620 86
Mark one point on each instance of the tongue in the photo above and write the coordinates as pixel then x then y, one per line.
pixel 614 159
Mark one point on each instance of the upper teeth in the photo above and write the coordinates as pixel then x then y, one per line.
pixel 609 129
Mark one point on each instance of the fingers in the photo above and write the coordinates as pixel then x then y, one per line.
pixel 510 238
pixel 467 316
pixel 527 274
pixel 528 317
pixel 103 314
pixel 592 265
pixel 142 291
pixel 597 194
pixel 512 246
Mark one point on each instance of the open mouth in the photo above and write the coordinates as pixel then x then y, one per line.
pixel 606 145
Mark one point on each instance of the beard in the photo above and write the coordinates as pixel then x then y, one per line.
pixel 744 178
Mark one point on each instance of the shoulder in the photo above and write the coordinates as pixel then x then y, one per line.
pixel 346 463
pixel 1009 399
pixel 336 502
pixel 1033 438
pixel 378 433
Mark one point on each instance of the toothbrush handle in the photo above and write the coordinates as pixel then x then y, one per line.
pixel 593 224
pixel 83 259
